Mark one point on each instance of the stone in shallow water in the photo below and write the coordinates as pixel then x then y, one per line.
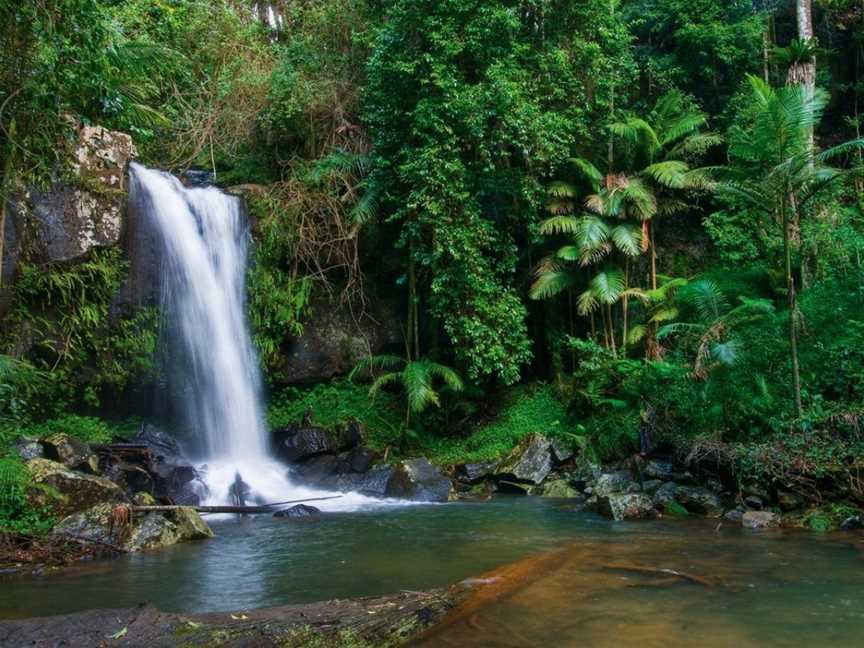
pixel 558 488
pixel 699 500
pixel 666 493
pixel 627 506
pixel 420 481
pixel 760 520
pixel 609 483
pixel 298 512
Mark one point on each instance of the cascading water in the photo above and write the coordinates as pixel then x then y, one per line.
pixel 204 252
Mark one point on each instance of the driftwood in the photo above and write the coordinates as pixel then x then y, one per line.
pixel 656 571
pixel 263 508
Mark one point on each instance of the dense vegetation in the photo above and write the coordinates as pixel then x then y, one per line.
pixel 596 218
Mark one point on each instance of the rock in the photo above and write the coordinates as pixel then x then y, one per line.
pixel 513 488
pixel 420 481
pixel 29 449
pixel 71 452
pixel 333 340
pixel 143 499
pixel 662 470
pixel 353 436
pixel 162 445
pixel 754 502
pixel 651 486
pixel 78 491
pixel 480 492
pixel 157 530
pixel 760 520
pixel 298 512
pixel 471 473
pixel 664 494
pixel 609 483
pixel 714 485
pixel 734 515
pixel 359 460
pixel 298 443
pixel 530 461
pixel 558 488
pixel 94 525
pixel 756 489
pixel 789 501
pixel 372 483
pixel 852 523
pixel 699 500
pixel 628 506
pixel 561 451
pixel 315 470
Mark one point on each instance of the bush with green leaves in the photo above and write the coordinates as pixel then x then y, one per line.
pixel 17 514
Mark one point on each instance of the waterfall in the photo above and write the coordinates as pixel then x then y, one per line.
pixel 203 237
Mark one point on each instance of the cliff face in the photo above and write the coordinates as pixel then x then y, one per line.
pixel 81 210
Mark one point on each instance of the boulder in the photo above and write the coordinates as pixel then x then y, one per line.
pixel 78 491
pixel 359 459
pixel 561 451
pixel 699 500
pixel 558 488
pixel 662 470
pixel 157 530
pixel 514 488
pixel 853 523
pixel 756 489
pixel 754 502
pixel 649 486
pixel 299 443
pixel 627 506
pixel 71 452
pixel 480 492
pixel 471 473
pixel 163 447
pixel 664 494
pixel 372 483
pixel 609 483
pixel 734 515
pixel 789 501
pixel 29 449
pixel 530 461
pixel 760 520
pixel 298 512
pixel 420 481
pixel 94 525
pixel 315 470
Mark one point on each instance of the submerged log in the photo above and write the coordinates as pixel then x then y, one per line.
pixel 263 508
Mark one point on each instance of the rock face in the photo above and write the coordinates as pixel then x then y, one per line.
pixel 471 473
pixel 169 476
pixel 79 492
pixel 333 341
pixel 627 506
pixel 760 520
pixel 71 452
pixel 529 462
pixel 419 481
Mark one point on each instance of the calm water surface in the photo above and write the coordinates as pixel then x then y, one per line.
pixel 604 582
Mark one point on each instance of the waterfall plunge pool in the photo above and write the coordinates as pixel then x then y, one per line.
pixel 774 588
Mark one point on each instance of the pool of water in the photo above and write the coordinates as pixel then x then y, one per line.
pixel 594 578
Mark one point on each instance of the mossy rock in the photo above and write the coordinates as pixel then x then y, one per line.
pixel 558 488
pixel 67 491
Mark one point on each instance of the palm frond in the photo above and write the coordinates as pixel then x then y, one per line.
pixel 671 173
pixel 560 225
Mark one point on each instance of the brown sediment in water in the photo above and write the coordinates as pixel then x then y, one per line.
pixel 657 592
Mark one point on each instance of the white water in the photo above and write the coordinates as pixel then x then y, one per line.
pixel 204 240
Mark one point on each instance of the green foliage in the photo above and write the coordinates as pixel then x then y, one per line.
pixel 17 515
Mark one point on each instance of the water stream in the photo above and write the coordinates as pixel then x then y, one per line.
pixel 774 588
pixel 204 237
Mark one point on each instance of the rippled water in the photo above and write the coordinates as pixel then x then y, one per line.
pixel 600 588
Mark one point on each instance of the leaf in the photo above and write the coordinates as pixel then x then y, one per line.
pixel 120 633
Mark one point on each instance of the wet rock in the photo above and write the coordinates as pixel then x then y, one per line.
pixel 353 436
pixel 734 515
pixel 760 520
pixel 561 451
pixel 163 447
pixel 513 488
pixel 315 470
pixel 93 525
pixel 754 502
pixel 479 492
pixel 420 481
pixel 558 488
pixel 530 461
pixel 71 452
pixel 29 449
pixel 143 499
pixel 298 512
pixel 662 470
pixel 789 501
pixel 471 473
pixel 853 523
pixel 664 494
pixel 609 483
pixel 650 486
pixel 359 460
pixel 299 443
pixel 157 530
pixel 372 483
pixel 627 506
pixel 699 500
pixel 78 491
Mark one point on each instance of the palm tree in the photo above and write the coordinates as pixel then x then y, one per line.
pixel 659 148
pixel 660 308
pixel 775 170
pixel 714 328
pixel 417 378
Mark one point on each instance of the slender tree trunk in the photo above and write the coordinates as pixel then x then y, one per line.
pixel 612 330
pixel 766 48
pixel 5 187
pixel 804 72
pixel 625 307
pixel 411 329
pixel 793 312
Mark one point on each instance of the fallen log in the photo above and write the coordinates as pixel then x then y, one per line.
pixel 263 508
pixel 639 569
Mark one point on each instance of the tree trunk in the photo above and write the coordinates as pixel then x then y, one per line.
pixel 5 188
pixel 624 307
pixel 793 312
pixel 804 72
